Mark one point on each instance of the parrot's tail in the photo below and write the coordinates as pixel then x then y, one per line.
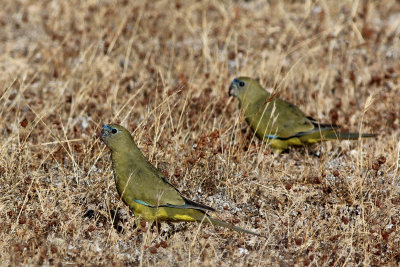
pixel 214 221
pixel 346 136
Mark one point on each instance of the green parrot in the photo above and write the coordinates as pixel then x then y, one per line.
pixel 145 189
pixel 278 122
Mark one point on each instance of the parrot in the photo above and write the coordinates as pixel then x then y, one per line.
pixel 145 189
pixel 280 123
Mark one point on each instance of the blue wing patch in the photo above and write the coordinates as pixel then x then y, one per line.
pixel 270 136
pixel 184 206
pixel 143 203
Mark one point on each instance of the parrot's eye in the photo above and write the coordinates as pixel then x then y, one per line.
pixel 241 83
pixel 114 131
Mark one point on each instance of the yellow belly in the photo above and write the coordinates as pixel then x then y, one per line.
pixel 164 214
pixel 284 144
pixel 279 145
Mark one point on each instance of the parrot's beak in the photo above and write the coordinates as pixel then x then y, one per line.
pixel 232 88
pixel 102 133
pixel 105 131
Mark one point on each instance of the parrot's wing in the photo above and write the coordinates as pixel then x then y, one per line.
pixel 286 120
pixel 161 193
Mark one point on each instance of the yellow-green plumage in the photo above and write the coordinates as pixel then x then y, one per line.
pixel 144 188
pixel 278 122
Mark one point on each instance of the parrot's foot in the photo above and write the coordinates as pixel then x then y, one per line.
pixel 139 224
pixel 277 151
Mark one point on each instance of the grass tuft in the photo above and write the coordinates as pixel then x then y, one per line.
pixel 162 69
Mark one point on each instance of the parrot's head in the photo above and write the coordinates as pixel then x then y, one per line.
pixel 245 87
pixel 116 137
pixel 238 85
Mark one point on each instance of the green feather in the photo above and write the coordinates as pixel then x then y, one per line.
pixel 280 123
pixel 145 189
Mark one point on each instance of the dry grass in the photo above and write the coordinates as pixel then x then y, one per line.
pixel 162 69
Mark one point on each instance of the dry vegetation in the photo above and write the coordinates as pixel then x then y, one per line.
pixel 162 69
